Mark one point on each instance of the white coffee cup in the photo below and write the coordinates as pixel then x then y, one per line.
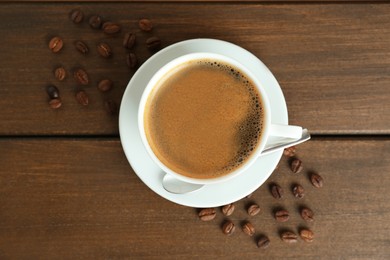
pixel 283 132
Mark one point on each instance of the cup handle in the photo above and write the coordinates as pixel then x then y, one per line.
pixel 286 131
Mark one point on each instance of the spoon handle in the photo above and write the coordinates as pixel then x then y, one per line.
pixel 305 136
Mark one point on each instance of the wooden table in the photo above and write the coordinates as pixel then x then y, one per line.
pixel 67 190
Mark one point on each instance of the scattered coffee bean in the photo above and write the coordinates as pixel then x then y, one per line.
pixel 145 25
pixel 307 235
pixel 82 97
pixel 153 43
pixel 129 40
pixel 55 103
pixel 56 44
pixel 263 242
pixel 95 21
pixel 228 227
pixel 290 151
pixel 253 210
pixel 76 16
pixel 104 50
pixel 81 47
pixel 298 191
pixel 307 214
pixel 296 166
pixel 276 191
pixel 60 73
pixel 316 180
pixel 289 237
pixel 52 91
pixel 111 28
pixel 105 85
pixel 81 77
pixel 111 107
pixel 131 60
pixel 207 214
pixel 282 215
pixel 248 228
pixel 227 210
pixel 249 195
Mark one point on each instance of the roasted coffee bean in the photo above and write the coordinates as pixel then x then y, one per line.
pixel 249 195
pixel 145 25
pixel 276 191
pixel 253 210
pixel 60 73
pixel 81 77
pixel 248 228
pixel 289 237
pixel 76 16
pixel 55 103
pixel 56 44
pixel 282 215
pixel 105 85
pixel 153 43
pixel 82 97
pixel 131 60
pixel 307 235
pixel 104 50
pixel 298 191
pixel 52 91
pixel 307 214
pixel 207 214
pixel 95 21
pixel 228 227
pixel 227 210
pixel 296 166
pixel 111 28
pixel 263 242
pixel 111 107
pixel 290 151
pixel 129 40
pixel 316 180
pixel 81 47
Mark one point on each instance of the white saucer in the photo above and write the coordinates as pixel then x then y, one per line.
pixel 210 195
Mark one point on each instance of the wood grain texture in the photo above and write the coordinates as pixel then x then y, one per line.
pixel 67 199
pixel 331 60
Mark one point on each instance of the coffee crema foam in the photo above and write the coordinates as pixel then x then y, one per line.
pixel 203 119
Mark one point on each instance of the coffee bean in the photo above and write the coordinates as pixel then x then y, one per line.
pixel 81 47
pixel 131 60
pixel 228 227
pixel 105 85
pixel 253 210
pixel 282 215
pixel 207 214
pixel 111 107
pixel 60 73
pixel 298 191
pixel 82 97
pixel 111 28
pixel 263 242
pixel 128 40
pixel 289 237
pixel 227 210
pixel 95 21
pixel 104 50
pixel 52 91
pixel 307 214
pixel 276 191
pixel 81 77
pixel 296 166
pixel 307 235
pixel 145 25
pixel 76 16
pixel 290 151
pixel 248 228
pixel 55 103
pixel 249 195
pixel 56 44
pixel 153 43
pixel 316 180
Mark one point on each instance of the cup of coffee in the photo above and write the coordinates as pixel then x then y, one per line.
pixel 205 118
